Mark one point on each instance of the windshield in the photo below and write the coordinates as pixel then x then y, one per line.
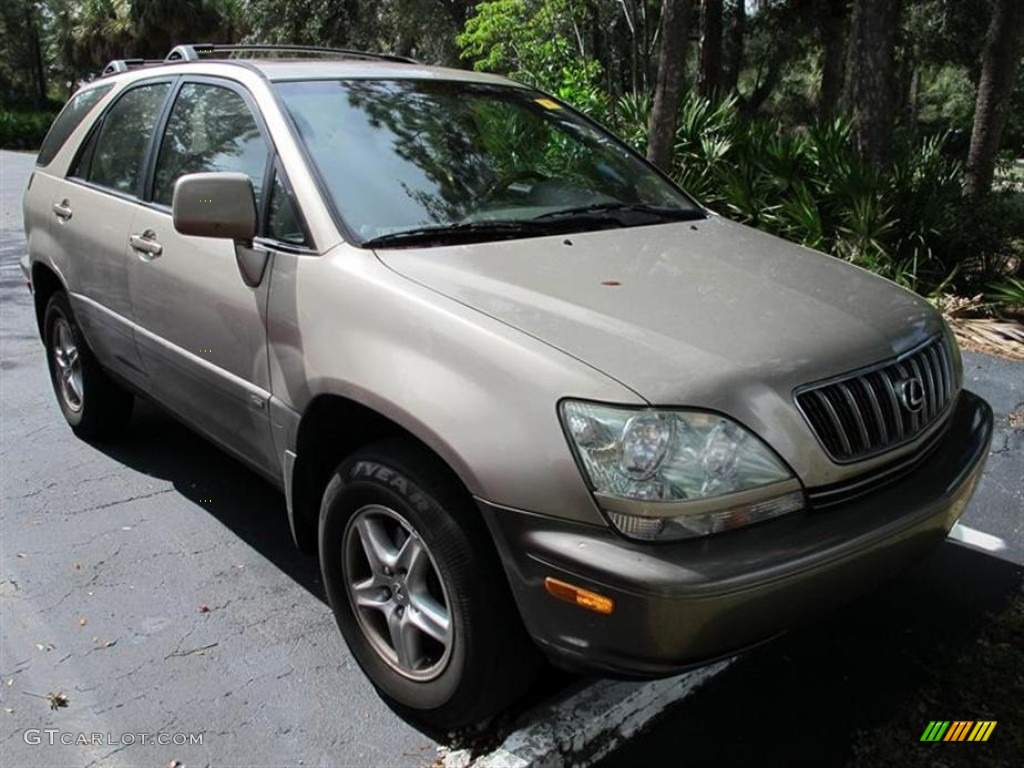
pixel 404 157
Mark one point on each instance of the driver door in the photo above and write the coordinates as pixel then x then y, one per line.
pixel 201 330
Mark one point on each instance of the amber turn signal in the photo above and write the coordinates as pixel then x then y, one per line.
pixel 584 598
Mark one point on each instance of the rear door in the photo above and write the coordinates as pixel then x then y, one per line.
pixel 201 329
pixel 93 209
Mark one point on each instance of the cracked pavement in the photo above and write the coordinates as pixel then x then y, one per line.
pixel 998 504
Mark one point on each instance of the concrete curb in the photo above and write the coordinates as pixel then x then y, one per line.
pixel 587 726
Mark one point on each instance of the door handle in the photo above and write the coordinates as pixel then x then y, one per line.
pixel 146 245
pixel 62 210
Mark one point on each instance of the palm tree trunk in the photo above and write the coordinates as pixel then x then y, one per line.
pixel 711 48
pixel 870 81
pixel 999 65
pixel 668 87
pixel 36 51
pixel 833 21
pixel 735 39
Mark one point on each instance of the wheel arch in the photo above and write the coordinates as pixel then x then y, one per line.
pixel 333 427
pixel 45 283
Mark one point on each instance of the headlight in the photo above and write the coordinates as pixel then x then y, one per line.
pixel 662 474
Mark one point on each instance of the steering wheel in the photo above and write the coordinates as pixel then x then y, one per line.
pixel 502 183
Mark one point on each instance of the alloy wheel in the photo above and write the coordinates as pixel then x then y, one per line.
pixel 397 593
pixel 67 365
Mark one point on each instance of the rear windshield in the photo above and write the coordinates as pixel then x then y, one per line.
pixel 70 117
pixel 397 155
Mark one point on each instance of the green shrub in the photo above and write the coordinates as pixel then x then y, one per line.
pixel 1009 293
pixel 23 130
pixel 909 222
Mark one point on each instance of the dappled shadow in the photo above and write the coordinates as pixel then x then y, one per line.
pixel 804 699
pixel 158 445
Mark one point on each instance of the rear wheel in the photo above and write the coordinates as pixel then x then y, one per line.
pixel 417 589
pixel 93 405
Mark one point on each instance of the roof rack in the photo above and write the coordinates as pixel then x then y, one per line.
pixel 117 66
pixel 194 51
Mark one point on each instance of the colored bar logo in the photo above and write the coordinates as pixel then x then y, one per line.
pixel 958 730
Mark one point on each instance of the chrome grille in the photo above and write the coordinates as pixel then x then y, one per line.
pixel 873 410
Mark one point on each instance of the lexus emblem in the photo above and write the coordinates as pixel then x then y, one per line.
pixel 912 394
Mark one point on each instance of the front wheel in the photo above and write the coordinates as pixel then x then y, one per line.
pixel 417 590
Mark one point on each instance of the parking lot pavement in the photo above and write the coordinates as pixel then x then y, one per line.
pixel 997 510
pixel 153 582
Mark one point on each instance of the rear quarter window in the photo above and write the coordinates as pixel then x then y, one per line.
pixel 74 112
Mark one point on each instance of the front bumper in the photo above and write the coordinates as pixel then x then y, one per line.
pixel 683 603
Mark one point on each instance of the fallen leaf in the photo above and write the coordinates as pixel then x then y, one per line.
pixel 83 621
pixel 1016 418
pixel 203 609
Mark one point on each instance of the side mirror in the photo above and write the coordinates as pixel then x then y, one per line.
pixel 215 205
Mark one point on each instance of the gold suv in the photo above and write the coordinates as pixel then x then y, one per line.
pixel 522 394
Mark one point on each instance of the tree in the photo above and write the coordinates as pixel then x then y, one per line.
pixel 833 18
pixel 159 25
pixel 870 79
pixel 734 44
pixel 23 78
pixel 711 47
pixel 625 40
pixel 778 35
pixel 668 86
pixel 1000 62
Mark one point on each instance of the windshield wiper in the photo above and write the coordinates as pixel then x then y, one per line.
pixel 610 210
pixel 466 231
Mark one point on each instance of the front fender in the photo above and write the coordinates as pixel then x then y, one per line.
pixel 479 393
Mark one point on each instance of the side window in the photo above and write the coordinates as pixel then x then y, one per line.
pixel 80 167
pixel 74 112
pixel 210 129
pixel 118 160
pixel 282 222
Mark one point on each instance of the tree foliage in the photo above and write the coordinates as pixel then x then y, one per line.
pixel 537 41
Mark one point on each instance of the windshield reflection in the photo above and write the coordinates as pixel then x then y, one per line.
pixel 400 155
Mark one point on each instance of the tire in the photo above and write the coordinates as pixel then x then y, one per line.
pixel 400 497
pixel 93 405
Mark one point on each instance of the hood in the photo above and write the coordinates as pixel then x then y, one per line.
pixel 688 313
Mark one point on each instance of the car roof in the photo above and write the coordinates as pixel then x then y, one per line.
pixel 306 69
pixel 292 69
